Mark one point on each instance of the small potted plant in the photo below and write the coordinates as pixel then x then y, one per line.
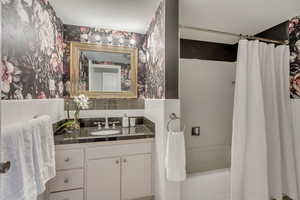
pixel 81 103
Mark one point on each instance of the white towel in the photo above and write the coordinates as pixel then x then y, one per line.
pixel 175 161
pixel 30 148
pixel 44 158
pixel 17 147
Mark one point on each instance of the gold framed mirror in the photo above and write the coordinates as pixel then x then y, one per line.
pixel 100 71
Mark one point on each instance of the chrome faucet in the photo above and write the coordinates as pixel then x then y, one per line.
pixel 106 122
pixel 106 126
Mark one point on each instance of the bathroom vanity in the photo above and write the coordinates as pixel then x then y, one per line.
pixel 103 160
pixel 113 167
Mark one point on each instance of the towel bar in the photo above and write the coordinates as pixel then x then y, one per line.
pixel 4 167
pixel 173 117
pixel 36 116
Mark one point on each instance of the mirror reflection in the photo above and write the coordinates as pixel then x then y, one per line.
pixel 104 71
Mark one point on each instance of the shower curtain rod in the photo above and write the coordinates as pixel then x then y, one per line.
pixel 285 42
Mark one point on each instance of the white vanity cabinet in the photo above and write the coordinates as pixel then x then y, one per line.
pixel 119 170
pixel 136 176
pixel 103 179
pixel 119 178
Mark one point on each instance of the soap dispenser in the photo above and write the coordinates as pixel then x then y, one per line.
pixel 125 122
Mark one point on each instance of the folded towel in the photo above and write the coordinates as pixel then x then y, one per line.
pixel 175 161
pixel 30 148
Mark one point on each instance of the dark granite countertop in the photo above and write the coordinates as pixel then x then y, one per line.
pixel 83 135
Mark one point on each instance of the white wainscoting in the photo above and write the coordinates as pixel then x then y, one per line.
pixel 158 110
pixel 296 118
pixel 14 111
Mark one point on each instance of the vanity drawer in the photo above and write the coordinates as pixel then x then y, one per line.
pixel 118 150
pixel 67 195
pixel 69 159
pixel 67 180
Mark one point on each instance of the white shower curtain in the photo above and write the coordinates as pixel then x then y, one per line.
pixel 263 161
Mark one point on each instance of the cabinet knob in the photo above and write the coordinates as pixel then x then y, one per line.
pixel 117 161
pixel 67 159
pixel 124 160
pixel 66 180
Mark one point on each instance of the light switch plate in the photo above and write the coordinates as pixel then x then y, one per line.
pixel 196 131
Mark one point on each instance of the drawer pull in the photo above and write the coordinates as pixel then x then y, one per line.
pixel 124 160
pixel 117 161
pixel 67 159
pixel 66 180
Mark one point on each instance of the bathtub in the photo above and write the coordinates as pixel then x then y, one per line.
pixel 211 185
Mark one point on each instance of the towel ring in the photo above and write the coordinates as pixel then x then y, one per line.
pixel 36 116
pixel 173 117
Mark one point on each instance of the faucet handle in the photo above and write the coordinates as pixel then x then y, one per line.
pixel 99 124
pixel 114 123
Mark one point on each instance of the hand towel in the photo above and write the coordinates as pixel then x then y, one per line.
pixel 175 161
pixel 43 150
pixel 30 148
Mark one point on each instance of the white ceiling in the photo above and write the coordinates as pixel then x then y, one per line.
pixel 236 16
pixel 125 15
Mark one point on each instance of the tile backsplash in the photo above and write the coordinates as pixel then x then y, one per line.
pixel 110 104
pixel 108 113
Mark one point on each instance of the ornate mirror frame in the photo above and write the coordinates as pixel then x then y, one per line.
pixel 76 47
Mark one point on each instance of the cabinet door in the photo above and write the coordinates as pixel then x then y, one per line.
pixel 103 179
pixel 136 176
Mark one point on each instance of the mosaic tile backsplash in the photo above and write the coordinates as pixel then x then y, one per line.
pixel 110 104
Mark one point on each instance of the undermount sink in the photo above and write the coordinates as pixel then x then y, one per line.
pixel 105 132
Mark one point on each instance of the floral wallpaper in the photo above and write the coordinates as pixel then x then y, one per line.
pixel 155 55
pixel 107 37
pixel 32 50
pixel 36 51
pixel 294 33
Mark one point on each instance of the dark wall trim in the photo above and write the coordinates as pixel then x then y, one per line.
pixel 278 32
pixel 171 48
pixel 192 49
